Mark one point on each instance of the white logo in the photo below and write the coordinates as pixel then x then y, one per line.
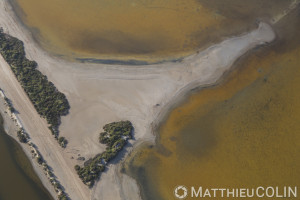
pixel 180 192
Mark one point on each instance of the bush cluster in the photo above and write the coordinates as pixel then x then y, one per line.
pixel 47 100
pixel 22 136
pixel 63 196
pixel 9 104
pixel 115 136
pixel 48 172
pixel 62 142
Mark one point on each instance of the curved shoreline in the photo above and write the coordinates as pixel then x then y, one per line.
pixel 134 60
pixel 165 85
pixel 178 99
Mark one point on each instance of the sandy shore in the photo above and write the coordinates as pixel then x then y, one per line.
pixel 99 94
pixel 11 129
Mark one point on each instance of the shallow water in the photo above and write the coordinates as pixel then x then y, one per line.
pixel 150 30
pixel 17 178
pixel 242 133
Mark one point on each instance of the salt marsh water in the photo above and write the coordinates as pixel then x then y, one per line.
pixel 17 178
pixel 243 133
pixel 149 30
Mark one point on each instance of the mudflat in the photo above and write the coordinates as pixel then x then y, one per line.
pixel 99 94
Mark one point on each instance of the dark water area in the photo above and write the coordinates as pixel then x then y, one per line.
pixel 18 181
pixel 242 133
pixel 142 30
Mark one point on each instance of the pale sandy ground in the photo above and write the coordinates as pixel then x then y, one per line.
pixel 99 94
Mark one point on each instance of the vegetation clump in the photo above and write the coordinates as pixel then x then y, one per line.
pixel 47 100
pixel 9 104
pixel 63 196
pixel 115 136
pixel 62 142
pixel 22 136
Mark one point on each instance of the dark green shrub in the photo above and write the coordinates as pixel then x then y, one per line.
pixel 22 138
pixel 47 100
pixel 115 137
pixel 62 142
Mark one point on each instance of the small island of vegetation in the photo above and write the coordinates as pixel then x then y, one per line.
pixel 47 100
pixel 115 136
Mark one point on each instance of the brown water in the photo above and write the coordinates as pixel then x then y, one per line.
pixel 242 133
pixel 148 30
pixel 17 178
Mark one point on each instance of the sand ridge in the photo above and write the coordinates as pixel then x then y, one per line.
pixel 99 94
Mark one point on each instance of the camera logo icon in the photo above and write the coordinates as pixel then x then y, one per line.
pixel 180 192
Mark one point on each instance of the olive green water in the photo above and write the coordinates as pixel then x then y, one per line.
pixel 17 178
pixel 147 30
pixel 243 133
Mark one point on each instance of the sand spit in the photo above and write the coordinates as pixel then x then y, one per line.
pixel 99 94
